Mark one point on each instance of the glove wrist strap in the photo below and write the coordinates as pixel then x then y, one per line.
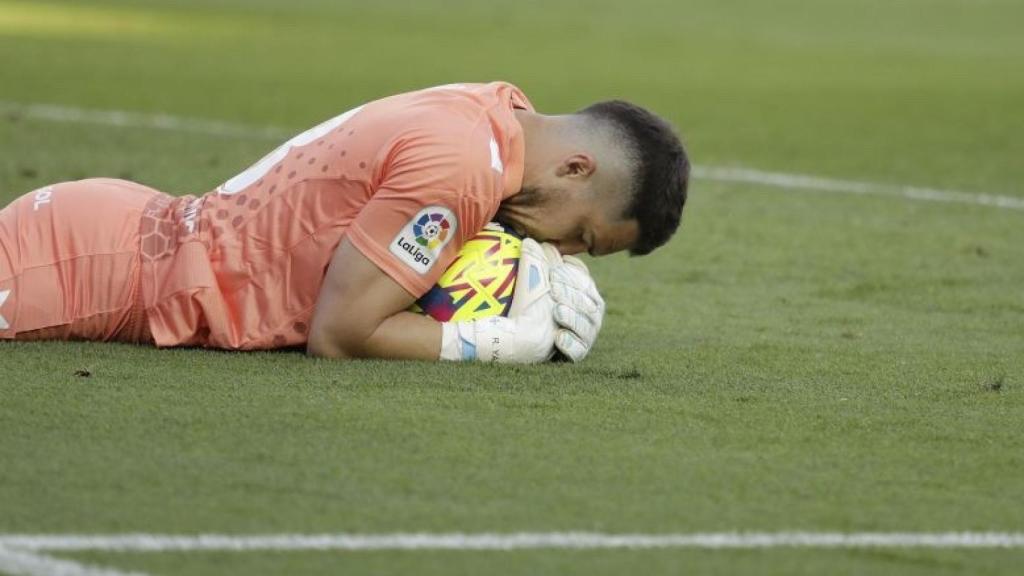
pixel 451 343
pixel 486 340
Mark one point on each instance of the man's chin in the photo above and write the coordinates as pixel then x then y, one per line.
pixel 509 221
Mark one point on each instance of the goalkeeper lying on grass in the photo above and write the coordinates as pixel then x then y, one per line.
pixel 328 240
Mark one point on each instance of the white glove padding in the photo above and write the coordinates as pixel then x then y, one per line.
pixel 579 308
pixel 528 334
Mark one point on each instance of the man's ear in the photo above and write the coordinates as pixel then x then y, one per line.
pixel 580 165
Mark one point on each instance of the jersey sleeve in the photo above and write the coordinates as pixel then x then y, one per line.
pixel 430 202
pixel 413 238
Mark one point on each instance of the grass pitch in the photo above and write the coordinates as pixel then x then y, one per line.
pixel 792 360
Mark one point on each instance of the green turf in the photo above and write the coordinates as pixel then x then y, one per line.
pixel 791 361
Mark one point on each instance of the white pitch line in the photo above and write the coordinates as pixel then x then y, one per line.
pixel 733 175
pixel 21 563
pixel 510 541
pixel 22 555
pixel 125 119
pixel 819 184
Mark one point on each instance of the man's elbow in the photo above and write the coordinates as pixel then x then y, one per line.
pixel 327 344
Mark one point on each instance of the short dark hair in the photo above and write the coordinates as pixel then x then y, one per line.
pixel 662 170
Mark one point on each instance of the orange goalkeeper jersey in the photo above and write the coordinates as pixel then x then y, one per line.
pixel 408 179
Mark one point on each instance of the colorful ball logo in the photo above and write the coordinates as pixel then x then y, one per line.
pixel 431 230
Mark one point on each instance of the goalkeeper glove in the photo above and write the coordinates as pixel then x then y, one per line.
pixel 579 308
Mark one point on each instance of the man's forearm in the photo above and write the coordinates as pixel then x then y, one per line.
pixel 404 336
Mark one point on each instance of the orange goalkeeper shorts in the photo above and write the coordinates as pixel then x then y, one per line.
pixel 70 266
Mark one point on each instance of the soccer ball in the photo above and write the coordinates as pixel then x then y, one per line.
pixel 479 283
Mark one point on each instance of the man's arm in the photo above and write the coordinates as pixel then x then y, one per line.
pixel 362 313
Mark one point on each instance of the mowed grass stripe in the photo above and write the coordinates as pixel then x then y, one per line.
pixel 733 175
pixel 510 541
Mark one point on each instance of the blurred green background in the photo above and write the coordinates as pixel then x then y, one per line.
pixel 922 92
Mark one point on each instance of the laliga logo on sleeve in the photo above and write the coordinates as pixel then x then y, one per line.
pixel 421 241
pixel 431 230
